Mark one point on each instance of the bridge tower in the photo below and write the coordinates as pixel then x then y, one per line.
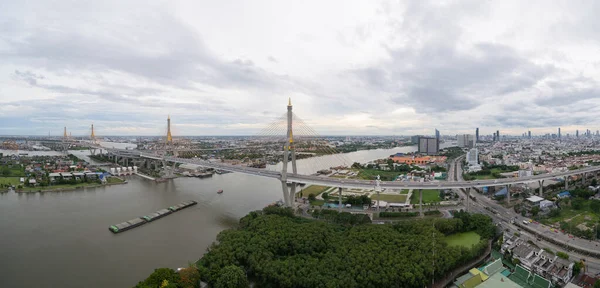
pixel 288 148
pixel 65 144
pixel 169 136
pixel 94 141
pixel 93 136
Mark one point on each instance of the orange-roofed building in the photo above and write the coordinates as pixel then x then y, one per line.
pixel 412 160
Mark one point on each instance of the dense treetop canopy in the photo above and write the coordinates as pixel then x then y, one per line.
pixel 277 249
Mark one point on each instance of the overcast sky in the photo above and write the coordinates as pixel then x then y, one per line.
pixel 350 67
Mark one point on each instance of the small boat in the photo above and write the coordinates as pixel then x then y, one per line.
pixel 220 191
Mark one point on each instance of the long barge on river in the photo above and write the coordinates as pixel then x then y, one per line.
pixel 118 228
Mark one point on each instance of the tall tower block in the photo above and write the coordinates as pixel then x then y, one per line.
pixel 65 133
pixel 93 136
pixel 169 136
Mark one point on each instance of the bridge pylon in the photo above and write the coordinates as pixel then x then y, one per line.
pixel 289 196
pixel 169 136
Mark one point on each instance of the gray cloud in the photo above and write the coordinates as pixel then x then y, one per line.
pixel 148 60
pixel 183 59
pixel 441 78
pixel 28 77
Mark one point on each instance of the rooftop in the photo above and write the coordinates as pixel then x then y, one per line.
pixel 499 281
pixel 535 199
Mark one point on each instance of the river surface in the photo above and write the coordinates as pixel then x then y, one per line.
pixel 61 239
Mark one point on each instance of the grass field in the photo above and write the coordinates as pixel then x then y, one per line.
pixel 398 198
pixel 371 174
pixel 483 177
pixel 495 170
pixel 14 171
pixel 10 180
pixel 317 202
pixel 429 196
pixel 314 189
pixel 466 239
pixel 576 216
pixel 114 180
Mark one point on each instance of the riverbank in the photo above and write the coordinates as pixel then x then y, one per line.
pixel 145 176
pixel 65 188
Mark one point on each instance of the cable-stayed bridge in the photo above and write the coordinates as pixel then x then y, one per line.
pixel 291 132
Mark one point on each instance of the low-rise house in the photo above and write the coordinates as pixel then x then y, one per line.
pixel 53 176
pixel 531 202
pixel 585 281
pixel 561 271
pixel 78 175
pixel 91 175
pixel 526 254
pixel 66 175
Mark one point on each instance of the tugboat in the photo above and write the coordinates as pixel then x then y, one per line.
pixel 220 191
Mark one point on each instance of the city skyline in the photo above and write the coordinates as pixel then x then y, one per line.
pixel 357 68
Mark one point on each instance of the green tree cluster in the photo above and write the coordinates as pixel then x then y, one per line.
pixel 398 214
pixel 582 193
pixel 169 278
pixel 343 218
pixel 358 200
pixel 272 250
pixel 562 255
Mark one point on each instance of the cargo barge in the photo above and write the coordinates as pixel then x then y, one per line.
pixel 157 215
pixel 182 205
pixel 118 228
pixel 127 225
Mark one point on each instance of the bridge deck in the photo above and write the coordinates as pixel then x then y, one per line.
pixel 353 183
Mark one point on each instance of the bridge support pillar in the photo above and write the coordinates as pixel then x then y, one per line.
pixel 584 178
pixel 566 182
pixel 541 182
pixel 285 193
pixel 293 194
pixel 340 199
pixel 468 197
pixel 421 203
pixel 508 194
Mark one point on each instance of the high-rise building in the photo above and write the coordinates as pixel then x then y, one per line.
pixel 414 139
pixel 437 135
pixel 577 133
pixel 529 134
pixel 476 134
pixel 558 132
pixel 497 135
pixel 465 141
pixel 473 156
pixel 428 145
